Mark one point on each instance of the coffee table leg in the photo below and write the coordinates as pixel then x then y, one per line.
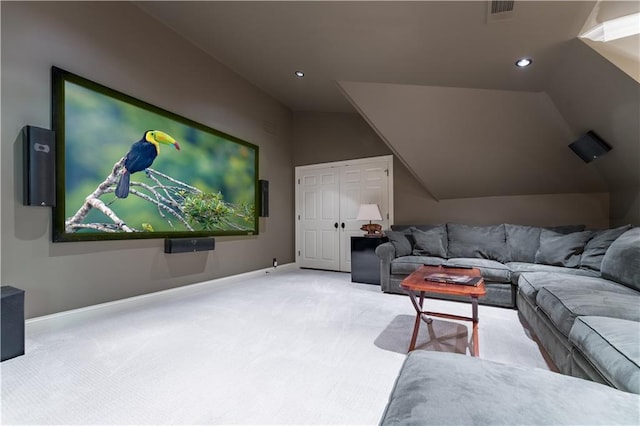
pixel 476 343
pixel 416 326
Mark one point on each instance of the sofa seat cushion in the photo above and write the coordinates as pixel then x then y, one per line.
pixel 407 264
pixel 518 268
pixel 490 269
pixel 531 282
pixel 435 388
pixel 612 347
pixel 562 305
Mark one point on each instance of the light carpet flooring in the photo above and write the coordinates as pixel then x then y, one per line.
pixel 290 347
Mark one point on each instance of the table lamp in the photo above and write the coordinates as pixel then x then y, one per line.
pixel 370 212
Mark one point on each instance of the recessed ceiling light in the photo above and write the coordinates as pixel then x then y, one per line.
pixel 299 74
pixel 524 62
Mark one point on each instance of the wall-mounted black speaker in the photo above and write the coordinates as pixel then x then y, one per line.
pixel 590 146
pixel 185 245
pixel 39 167
pixel 264 198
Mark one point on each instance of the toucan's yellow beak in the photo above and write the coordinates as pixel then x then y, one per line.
pixel 163 138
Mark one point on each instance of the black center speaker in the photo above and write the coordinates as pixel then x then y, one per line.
pixel 186 245
pixel 589 147
pixel 39 166
pixel 264 197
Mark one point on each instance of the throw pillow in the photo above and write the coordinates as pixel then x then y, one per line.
pixel 406 230
pixel 400 242
pixel 484 242
pixel 430 243
pixel 597 246
pixel 620 263
pixel 561 250
pixel 522 242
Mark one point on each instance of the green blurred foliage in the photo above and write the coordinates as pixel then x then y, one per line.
pixel 99 130
pixel 208 210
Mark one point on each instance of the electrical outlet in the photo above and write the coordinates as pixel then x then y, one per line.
pixel 275 262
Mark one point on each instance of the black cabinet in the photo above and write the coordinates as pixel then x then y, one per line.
pixel 365 265
pixel 12 322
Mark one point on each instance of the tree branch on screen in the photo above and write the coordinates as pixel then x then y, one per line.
pixel 174 200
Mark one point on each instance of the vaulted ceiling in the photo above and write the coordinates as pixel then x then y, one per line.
pixel 432 43
pixel 437 81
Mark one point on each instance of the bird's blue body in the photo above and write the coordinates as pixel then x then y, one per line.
pixel 140 157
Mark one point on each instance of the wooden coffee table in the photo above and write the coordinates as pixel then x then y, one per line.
pixel 416 287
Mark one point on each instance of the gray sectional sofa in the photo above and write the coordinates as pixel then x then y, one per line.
pixel 501 252
pixel 590 326
pixel 578 290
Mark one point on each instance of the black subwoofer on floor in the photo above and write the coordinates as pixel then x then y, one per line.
pixel 12 322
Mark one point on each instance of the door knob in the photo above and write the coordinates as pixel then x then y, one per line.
pixel 335 225
pixel 342 225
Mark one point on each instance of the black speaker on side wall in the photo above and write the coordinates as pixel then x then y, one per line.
pixel 186 245
pixel 264 198
pixel 590 146
pixel 39 166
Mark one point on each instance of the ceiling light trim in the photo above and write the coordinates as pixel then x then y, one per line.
pixel 524 62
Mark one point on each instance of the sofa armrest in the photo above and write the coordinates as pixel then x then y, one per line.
pixel 386 252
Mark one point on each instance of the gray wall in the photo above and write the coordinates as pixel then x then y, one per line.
pixel 593 94
pixel 326 137
pixel 115 44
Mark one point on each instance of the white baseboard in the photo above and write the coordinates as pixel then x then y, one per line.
pixel 60 319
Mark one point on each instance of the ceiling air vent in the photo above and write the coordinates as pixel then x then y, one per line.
pixel 499 10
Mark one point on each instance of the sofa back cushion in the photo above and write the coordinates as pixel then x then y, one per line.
pixel 484 242
pixel 621 262
pixel 566 229
pixel 430 243
pixel 560 249
pixel 522 242
pixel 597 246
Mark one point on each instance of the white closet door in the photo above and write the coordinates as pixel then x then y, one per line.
pixel 360 183
pixel 328 197
pixel 319 212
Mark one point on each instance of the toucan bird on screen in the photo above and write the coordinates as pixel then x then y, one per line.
pixel 141 156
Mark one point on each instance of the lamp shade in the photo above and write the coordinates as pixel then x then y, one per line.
pixel 369 212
